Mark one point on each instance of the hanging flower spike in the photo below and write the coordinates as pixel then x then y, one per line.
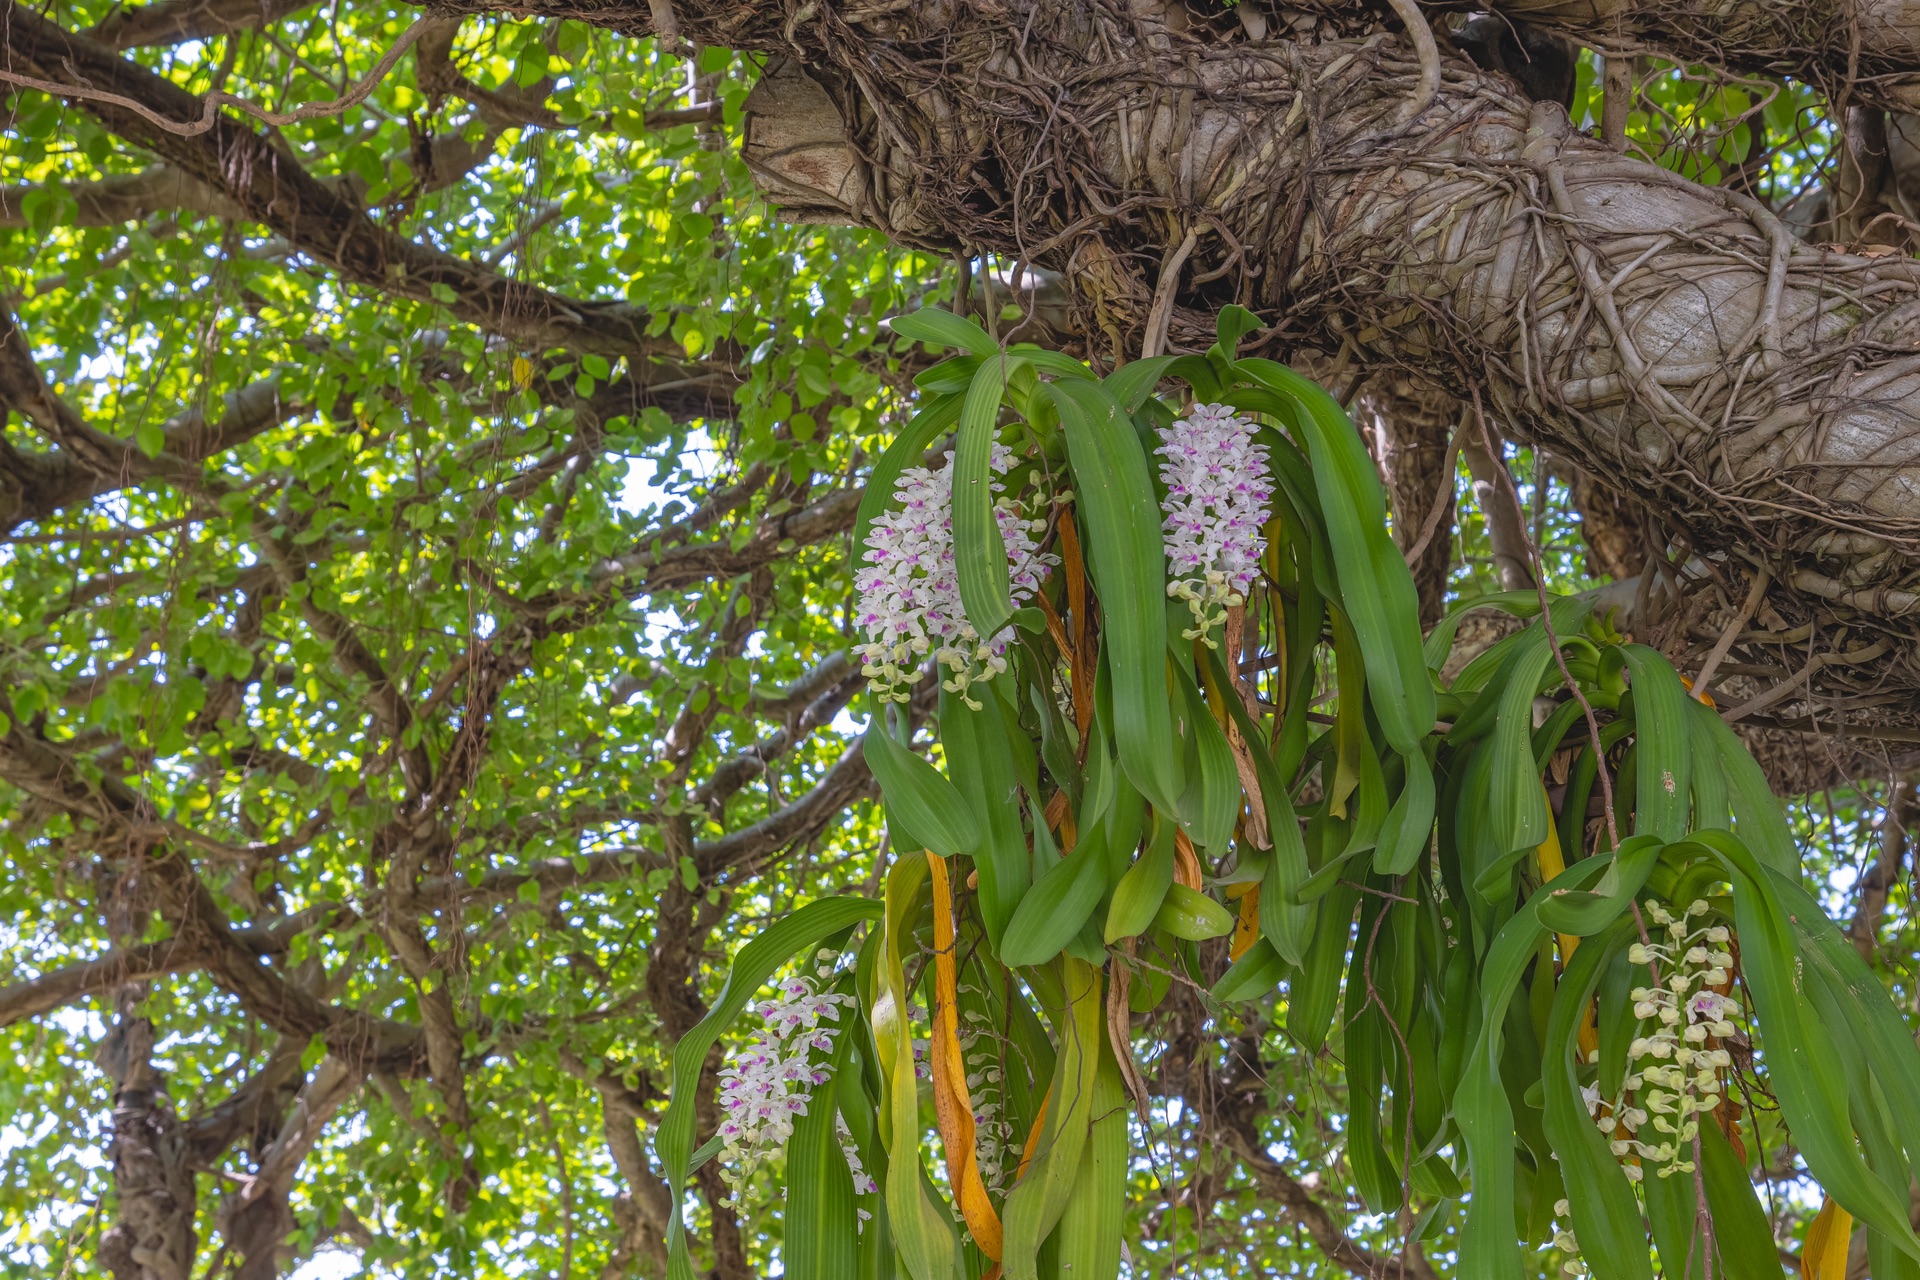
pixel 766 1085
pixel 910 587
pixel 1218 488
pixel 984 1049
pixel 1563 1240
pixel 1675 1077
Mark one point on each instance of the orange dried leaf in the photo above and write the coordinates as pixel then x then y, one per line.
pixel 1059 816
pixel 1033 1134
pixel 1186 863
pixel 1081 658
pixel 952 1104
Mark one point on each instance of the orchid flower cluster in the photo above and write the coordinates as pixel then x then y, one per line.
pixel 1218 488
pixel 1675 1074
pixel 910 588
pixel 766 1085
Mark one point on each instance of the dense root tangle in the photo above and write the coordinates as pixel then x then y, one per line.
pixel 1672 339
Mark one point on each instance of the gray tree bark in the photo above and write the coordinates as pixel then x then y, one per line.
pixel 1672 338
pixel 1411 425
pixel 1878 880
pixel 153 1236
pixel 1506 530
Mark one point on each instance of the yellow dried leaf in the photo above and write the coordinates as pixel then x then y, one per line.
pixel 1246 930
pixel 1552 862
pixel 1824 1257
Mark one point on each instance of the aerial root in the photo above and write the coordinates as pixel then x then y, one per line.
pixel 1429 51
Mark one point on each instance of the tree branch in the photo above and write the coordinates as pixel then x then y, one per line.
pixel 725 781
pixel 34 996
pixel 90 463
pixel 1871 46
pixel 1896 827
pixel 690 727
pixel 177 21
pixel 806 817
pixel 101 455
pixel 50 991
pixel 652 569
pixel 1299 1204
pixel 643 1212
pixel 846 782
pixel 268 186
pixel 388 702
pixel 38 768
pixel 1511 560
pixel 121 198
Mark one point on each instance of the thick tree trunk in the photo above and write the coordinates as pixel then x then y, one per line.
pixel 1877 882
pixel 153 1237
pixel 1870 46
pixel 1613 526
pixel 1672 338
pixel 1412 424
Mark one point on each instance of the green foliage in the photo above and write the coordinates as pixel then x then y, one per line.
pixel 451 667
pixel 480 520
pixel 1484 966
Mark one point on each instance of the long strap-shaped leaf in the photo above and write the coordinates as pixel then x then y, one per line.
pixel 1741 1231
pixel 1285 921
pixel 1408 828
pixel 944 329
pixel 1439 642
pixel 1580 914
pixel 1605 1216
pixel 920 800
pixel 1131 384
pixel 1315 990
pixel 1092 1225
pixel 985 772
pixel 1213 797
pixel 1519 807
pixel 979 550
pixel 1488 1250
pixel 1035 1204
pixel 821 1239
pixel 1115 492
pixel 1864 1008
pixel 1758 818
pixel 1138 895
pixel 1375 587
pixel 922 1229
pixel 755 963
pixel 1060 901
pixel 857 1093
pixel 1663 744
pixel 1712 798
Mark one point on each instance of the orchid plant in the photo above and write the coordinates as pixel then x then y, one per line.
pixel 1553 948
